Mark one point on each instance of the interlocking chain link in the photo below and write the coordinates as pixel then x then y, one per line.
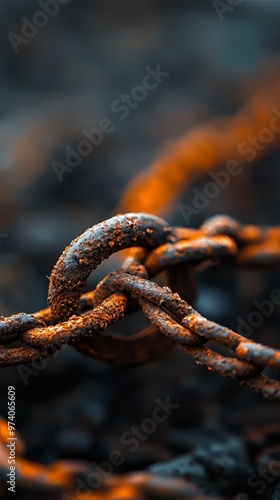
pixel 82 320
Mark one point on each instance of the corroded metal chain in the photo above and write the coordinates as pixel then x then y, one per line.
pixel 82 320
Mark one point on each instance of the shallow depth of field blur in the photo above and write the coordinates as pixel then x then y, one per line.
pixel 63 80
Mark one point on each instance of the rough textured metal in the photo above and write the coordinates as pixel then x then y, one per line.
pixel 83 321
pixel 96 244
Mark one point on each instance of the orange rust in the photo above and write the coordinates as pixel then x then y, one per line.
pixel 201 150
pixel 221 238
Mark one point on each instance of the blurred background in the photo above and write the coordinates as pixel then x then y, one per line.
pixel 62 78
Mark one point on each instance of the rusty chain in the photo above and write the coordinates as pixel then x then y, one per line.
pixel 83 320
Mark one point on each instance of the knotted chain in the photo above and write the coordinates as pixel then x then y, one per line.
pixel 155 249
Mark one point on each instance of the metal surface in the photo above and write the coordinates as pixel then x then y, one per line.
pixel 82 321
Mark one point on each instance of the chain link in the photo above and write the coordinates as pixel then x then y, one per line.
pixel 83 320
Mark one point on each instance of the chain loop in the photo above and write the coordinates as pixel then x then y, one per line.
pixel 83 321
